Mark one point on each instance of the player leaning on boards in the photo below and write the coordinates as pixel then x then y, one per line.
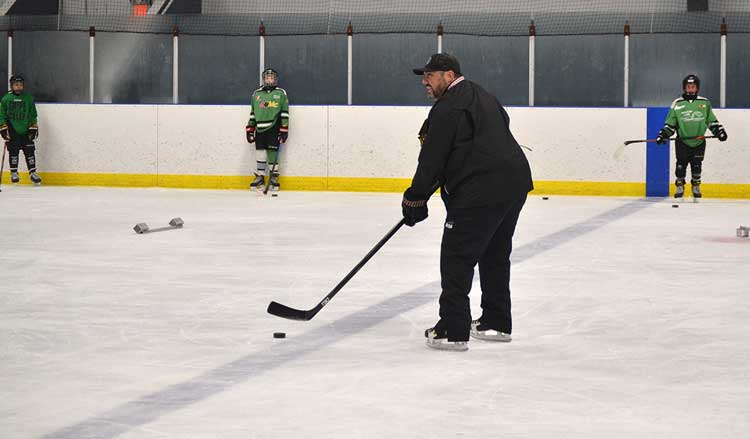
pixel 468 149
pixel 689 116
pixel 268 127
pixel 18 127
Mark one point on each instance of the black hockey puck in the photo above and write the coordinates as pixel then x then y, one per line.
pixel 545 198
pixel 279 335
pixel 274 195
pixel 675 205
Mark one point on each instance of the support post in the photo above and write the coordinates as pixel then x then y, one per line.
pixel 10 53
pixel 92 37
pixel 262 54
pixel 723 68
pixel 440 37
pixel 626 68
pixel 349 37
pixel 532 35
pixel 175 65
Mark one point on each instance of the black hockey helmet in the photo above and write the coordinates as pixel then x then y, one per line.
pixel 691 79
pixel 15 78
pixel 270 78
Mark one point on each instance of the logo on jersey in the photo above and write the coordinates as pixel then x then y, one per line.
pixel 693 116
pixel 270 105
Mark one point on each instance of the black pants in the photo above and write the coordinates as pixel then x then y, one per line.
pixel 484 236
pixel 268 139
pixel 17 143
pixel 689 155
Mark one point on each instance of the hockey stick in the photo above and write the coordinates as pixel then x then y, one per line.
pixel 286 312
pixel 2 167
pixel 628 142
pixel 621 149
pixel 273 167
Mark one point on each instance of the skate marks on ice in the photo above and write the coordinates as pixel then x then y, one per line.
pixel 141 411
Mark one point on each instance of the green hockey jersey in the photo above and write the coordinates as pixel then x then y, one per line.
pixel 269 108
pixel 691 119
pixel 18 111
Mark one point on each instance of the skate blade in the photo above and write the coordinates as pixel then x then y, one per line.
pixel 492 336
pixel 458 346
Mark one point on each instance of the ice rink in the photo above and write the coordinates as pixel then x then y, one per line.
pixel 631 320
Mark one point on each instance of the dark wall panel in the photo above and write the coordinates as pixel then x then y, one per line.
pixel 579 70
pixel 311 68
pixel 55 65
pixel 34 7
pixel 499 64
pixel 133 68
pixel 659 62
pixel 382 68
pixel 3 65
pixel 218 70
pixel 738 70
pixel 185 7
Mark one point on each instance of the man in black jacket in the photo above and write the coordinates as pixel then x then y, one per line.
pixel 469 152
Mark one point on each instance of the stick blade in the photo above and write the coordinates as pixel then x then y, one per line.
pixel 620 151
pixel 285 312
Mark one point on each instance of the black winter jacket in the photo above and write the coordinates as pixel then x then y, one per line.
pixel 470 151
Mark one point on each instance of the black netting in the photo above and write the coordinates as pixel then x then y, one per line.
pixel 300 17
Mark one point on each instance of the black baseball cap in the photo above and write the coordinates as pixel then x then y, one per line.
pixel 440 62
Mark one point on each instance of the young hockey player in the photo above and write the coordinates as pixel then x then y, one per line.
pixel 18 128
pixel 689 116
pixel 268 127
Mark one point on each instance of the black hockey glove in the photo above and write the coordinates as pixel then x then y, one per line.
pixel 250 130
pixel 4 132
pixel 721 134
pixel 662 138
pixel 414 208
pixel 33 132
pixel 283 135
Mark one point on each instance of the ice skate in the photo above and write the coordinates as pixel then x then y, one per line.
pixel 14 178
pixel 438 339
pixel 273 184
pixel 35 178
pixel 483 332
pixel 258 183
pixel 696 192
pixel 679 188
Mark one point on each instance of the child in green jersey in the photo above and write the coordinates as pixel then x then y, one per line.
pixel 690 116
pixel 268 127
pixel 18 127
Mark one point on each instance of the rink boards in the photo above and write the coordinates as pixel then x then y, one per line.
pixel 360 148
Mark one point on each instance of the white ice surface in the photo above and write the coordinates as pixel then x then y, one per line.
pixel 631 320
